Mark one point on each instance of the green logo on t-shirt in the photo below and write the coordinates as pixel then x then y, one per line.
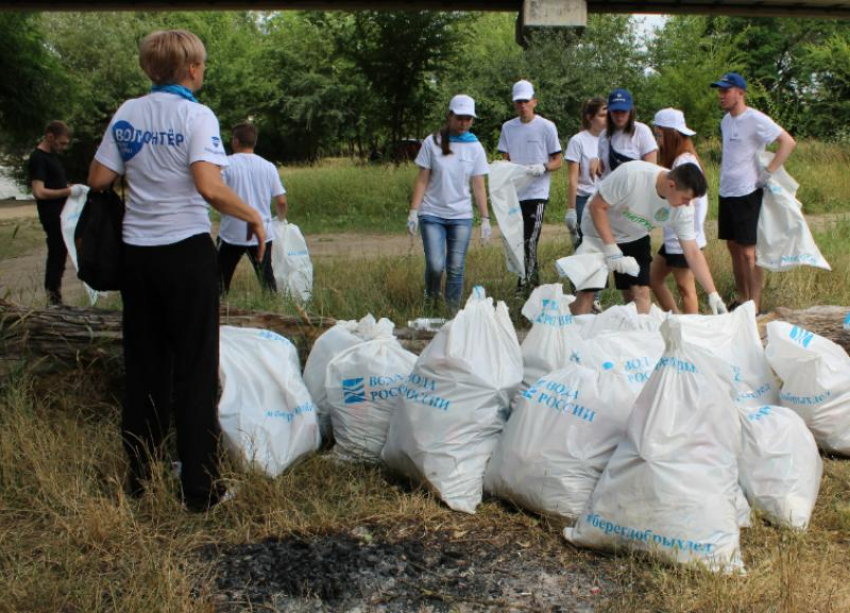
pixel 662 215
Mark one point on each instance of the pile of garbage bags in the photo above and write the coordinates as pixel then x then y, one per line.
pixel 655 433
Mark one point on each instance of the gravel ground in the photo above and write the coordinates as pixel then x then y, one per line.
pixel 374 569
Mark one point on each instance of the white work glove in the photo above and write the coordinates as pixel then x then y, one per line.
pixel 617 262
pixel 77 190
pixel 486 230
pixel 716 304
pixel 413 222
pixel 536 170
pixel 571 219
pixel 764 177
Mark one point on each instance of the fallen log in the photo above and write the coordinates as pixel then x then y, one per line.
pixel 81 334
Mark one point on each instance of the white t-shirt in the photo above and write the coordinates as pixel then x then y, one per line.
pixel 531 143
pixel 153 140
pixel 743 137
pixel 582 148
pixel 635 208
pixel 700 206
pixel 447 193
pixel 256 181
pixel 634 145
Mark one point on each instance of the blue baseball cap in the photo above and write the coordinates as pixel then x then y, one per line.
pixel 620 100
pixel 731 79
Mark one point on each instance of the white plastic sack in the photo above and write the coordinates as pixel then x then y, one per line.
pixel 454 403
pixel 340 337
pixel 671 487
pixel 780 468
pixel 624 317
pixel 554 334
pixel 586 268
pixel 815 375
pixel 267 416
pixel 565 427
pixel 363 385
pixel 732 344
pixel 293 270
pixel 784 240
pixel 70 216
pixel 505 180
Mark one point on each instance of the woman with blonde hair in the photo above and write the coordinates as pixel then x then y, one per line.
pixel 677 148
pixel 169 148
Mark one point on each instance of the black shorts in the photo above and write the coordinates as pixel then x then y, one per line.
pixel 674 260
pixel 641 250
pixel 738 218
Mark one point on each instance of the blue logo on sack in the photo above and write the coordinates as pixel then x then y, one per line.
pixel 607 365
pixel 216 141
pixel 353 391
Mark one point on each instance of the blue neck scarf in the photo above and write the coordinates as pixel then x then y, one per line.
pixel 466 137
pixel 177 90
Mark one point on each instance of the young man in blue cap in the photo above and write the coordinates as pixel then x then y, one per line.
pixel 746 132
pixel 531 140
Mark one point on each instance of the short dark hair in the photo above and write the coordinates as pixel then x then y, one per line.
pixel 246 134
pixel 57 128
pixel 689 176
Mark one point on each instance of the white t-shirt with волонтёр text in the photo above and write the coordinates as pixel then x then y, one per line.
pixel 154 140
pixel 634 145
pixel 700 205
pixel 582 148
pixel 743 137
pixel 256 181
pixel 531 143
pixel 635 208
pixel 447 194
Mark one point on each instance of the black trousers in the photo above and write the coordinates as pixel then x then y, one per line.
pixel 532 222
pixel 229 256
pixel 50 217
pixel 171 357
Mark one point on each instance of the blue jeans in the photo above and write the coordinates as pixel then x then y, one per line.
pixel 581 201
pixel 445 242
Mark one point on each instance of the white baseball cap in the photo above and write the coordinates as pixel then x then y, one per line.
pixel 672 118
pixel 462 105
pixel 523 90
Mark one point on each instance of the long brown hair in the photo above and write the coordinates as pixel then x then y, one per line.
pixel 673 144
pixel 590 109
pixel 441 136
pixel 630 124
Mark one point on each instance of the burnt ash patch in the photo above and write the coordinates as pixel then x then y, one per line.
pixel 371 569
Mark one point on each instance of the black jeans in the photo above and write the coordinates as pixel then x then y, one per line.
pixel 171 357
pixel 532 222
pixel 229 256
pixel 50 217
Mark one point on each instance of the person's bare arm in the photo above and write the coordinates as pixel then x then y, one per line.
pixel 208 182
pixel 698 265
pixel 100 177
pixel 282 206
pixel 786 146
pixel 556 160
pixel 480 191
pixel 599 212
pixel 419 188
pixel 46 193
pixel 651 157
pixel 572 184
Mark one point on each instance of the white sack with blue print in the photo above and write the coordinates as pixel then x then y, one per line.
pixel 293 269
pixel 780 467
pixel 554 334
pixel 784 240
pixel 341 336
pixel 363 384
pixel 506 179
pixel 565 427
pixel 267 417
pixel 71 212
pixel 455 403
pixel 671 487
pixel 815 375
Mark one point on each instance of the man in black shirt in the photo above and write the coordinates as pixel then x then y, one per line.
pixel 50 189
